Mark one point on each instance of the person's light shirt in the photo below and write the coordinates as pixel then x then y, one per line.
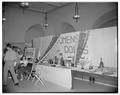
pixel 25 62
pixel 10 55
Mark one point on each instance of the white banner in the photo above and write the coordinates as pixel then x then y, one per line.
pixel 67 45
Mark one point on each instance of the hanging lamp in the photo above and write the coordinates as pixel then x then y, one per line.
pixel 3 15
pixel 76 15
pixel 24 5
pixel 46 23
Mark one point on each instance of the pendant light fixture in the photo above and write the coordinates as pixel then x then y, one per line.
pixel 45 24
pixel 76 16
pixel 24 5
pixel 3 19
pixel 3 15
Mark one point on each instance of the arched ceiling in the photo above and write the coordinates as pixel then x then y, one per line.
pixel 34 31
pixel 67 27
pixel 107 20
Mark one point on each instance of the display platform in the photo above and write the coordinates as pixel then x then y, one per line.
pixel 57 75
pixel 64 76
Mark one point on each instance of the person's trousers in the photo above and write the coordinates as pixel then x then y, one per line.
pixel 9 66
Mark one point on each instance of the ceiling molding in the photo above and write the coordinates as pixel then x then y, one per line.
pixel 35 10
pixel 99 25
pixel 108 16
pixel 55 7
pixel 28 9
pixel 50 4
pixel 59 7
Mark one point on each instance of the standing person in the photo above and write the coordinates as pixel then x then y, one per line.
pixel 10 58
pixel 55 60
pixel 101 63
pixel 61 60
pixel 24 51
pixel 4 52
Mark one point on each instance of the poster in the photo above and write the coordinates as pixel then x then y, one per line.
pixel 30 52
pixel 65 44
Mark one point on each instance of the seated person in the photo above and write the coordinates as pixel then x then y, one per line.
pixel 24 61
pixel 30 60
pixel 22 68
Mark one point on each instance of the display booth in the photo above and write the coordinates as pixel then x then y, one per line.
pixel 81 49
pixel 86 45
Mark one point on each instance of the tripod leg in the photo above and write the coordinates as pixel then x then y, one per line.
pixel 39 79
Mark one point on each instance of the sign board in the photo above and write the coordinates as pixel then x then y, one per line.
pixel 65 44
pixel 30 52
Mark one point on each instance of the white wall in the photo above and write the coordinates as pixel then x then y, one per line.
pixel 42 44
pixel 103 43
pixel 17 23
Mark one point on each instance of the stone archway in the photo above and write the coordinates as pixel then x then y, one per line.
pixel 33 32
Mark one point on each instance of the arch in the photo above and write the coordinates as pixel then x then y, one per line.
pixel 107 20
pixel 33 32
pixel 66 27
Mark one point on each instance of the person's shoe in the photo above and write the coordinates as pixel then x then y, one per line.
pixel 16 84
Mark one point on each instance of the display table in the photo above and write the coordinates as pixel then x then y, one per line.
pixel 98 78
pixel 57 75
pixel 64 76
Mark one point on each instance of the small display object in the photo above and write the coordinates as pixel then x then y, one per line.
pixel 30 53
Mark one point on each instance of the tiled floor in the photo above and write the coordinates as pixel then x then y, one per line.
pixel 79 86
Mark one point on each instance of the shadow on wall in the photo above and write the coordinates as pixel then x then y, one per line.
pixel 33 32
pixel 66 27
pixel 3 38
pixel 109 19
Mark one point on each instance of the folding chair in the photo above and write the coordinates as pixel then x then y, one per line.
pixel 36 75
